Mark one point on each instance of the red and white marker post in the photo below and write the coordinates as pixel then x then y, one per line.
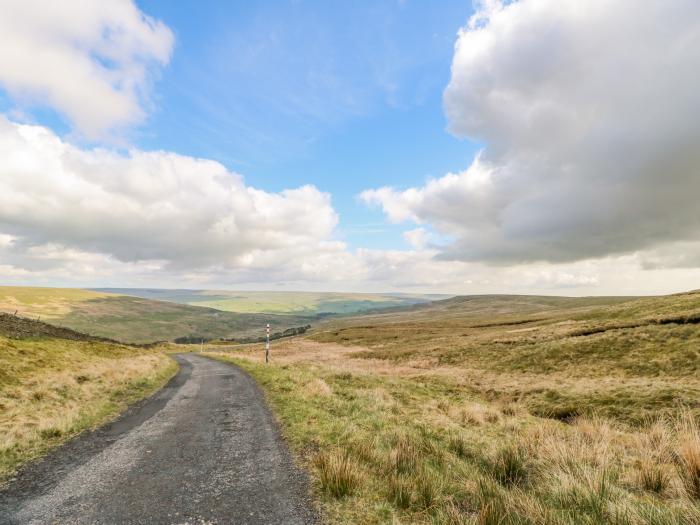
pixel 267 343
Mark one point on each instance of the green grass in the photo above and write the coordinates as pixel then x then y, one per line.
pixel 498 409
pixel 389 449
pixel 137 320
pixel 48 303
pixel 53 389
pixel 640 358
pixel 282 303
pixel 165 315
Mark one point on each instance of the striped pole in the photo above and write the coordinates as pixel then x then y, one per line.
pixel 267 343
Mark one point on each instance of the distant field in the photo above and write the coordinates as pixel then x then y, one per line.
pixel 497 410
pixel 136 320
pixel 49 303
pixel 299 303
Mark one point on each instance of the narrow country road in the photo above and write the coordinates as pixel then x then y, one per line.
pixel 205 449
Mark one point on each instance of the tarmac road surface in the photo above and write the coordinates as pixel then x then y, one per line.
pixel 205 449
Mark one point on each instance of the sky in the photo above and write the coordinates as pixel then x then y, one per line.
pixel 531 146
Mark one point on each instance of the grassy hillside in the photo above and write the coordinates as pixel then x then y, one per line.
pixel 55 383
pixel 498 410
pixel 559 356
pixel 47 303
pixel 136 320
pixel 299 303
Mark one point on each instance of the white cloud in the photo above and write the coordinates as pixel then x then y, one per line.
pixel 586 111
pixel 60 203
pixel 92 61
pixel 417 238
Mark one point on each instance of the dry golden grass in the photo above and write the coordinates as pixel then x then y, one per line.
pixel 688 454
pixel 52 389
pixel 490 420
pixel 338 473
pixel 418 459
pixel 48 303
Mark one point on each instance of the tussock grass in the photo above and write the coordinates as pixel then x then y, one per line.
pixel 410 461
pixel 688 454
pixel 52 389
pixel 509 466
pixel 338 473
pixel 498 415
pixel 654 478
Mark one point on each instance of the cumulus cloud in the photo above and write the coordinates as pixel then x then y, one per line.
pixel 91 61
pixel 585 110
pixel 417 238
pixel 59 202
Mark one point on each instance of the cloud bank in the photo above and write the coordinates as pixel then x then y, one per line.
pixel 585 110
pixel 93 62
pixel 77 216
pixel 182 212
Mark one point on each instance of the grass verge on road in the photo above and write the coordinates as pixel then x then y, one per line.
pixel 497 410
pixel 419 450
pixel 53 389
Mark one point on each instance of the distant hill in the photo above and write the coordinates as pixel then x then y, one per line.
pixel 134 319
pixel 626 357
pixel 286 303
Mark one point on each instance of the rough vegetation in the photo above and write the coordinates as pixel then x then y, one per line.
pixel 55 383
pixel 497 410
pixel 18 327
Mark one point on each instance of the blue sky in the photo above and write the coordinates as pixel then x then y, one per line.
pixel 304 145
pixel 343 95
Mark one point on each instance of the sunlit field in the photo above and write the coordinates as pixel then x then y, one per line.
pixel 497 410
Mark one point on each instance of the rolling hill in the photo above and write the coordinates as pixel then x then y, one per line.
pixel 497 409
pixel 137 320
pixel 293 303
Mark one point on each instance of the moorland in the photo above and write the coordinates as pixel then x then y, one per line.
pixel 497 409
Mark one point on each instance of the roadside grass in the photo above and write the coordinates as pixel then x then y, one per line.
pixel 53 389
pixel 390 449
pixel 497 410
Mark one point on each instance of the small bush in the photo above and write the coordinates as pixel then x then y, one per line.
pixel 492 513
pixel 339 475
pixel 428 488
pixel 50 432
pixel 653 478
pixel 364 448
pixel 404 455
pixel 509 466
pixel 689 466
pixel 400 491
pixel 459 445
